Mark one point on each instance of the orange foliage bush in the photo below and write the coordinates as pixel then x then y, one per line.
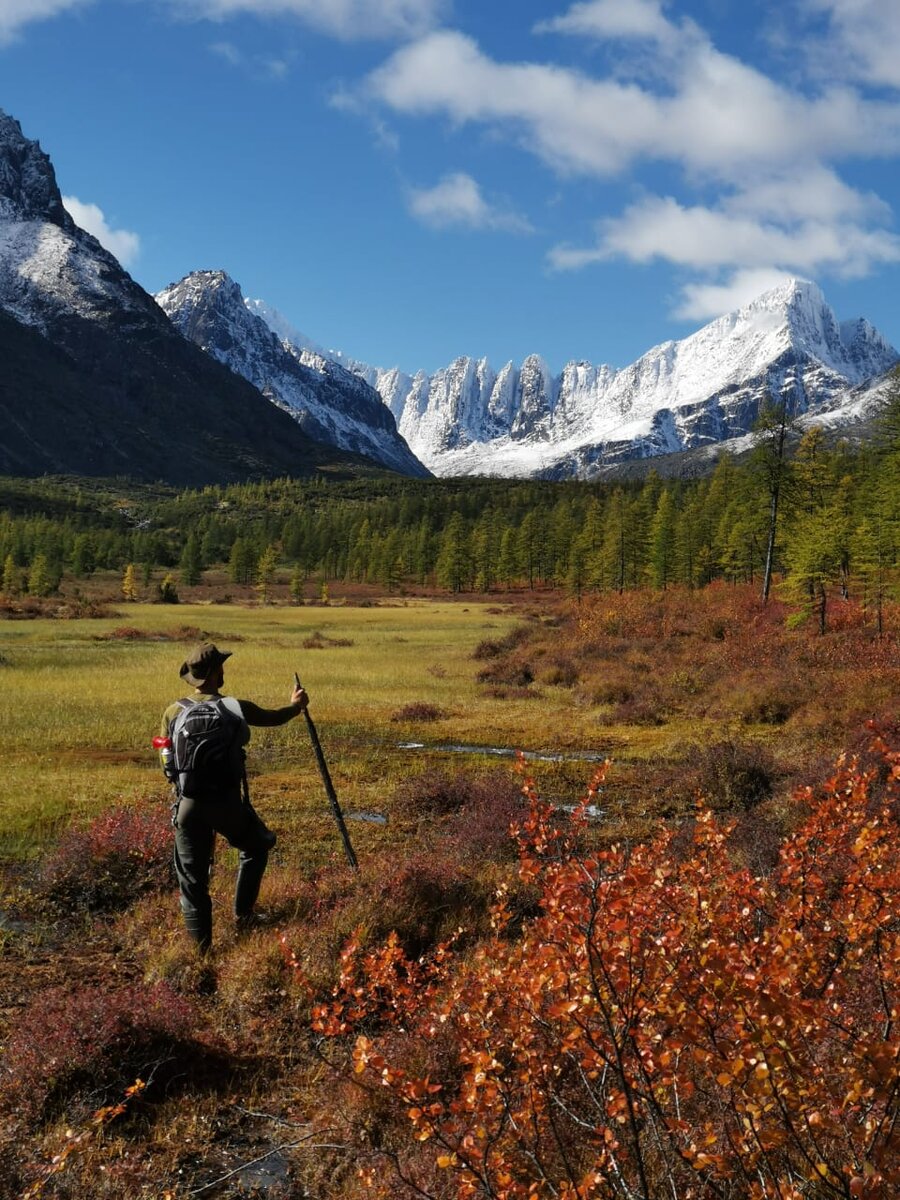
pixel 670 1025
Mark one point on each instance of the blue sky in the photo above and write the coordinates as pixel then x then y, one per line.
pixel 411 180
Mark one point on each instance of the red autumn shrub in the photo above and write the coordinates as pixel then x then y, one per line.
pixel 481 827
pixel 730 775
pixel 74 1047
pixel 769 701
pixel 419 899
pixel 508 672
pixel 439 793
pixel 463 842
pixel 645 709
pixel 562 672
pixel 321 641
pixel 498 692
pixel 670 1025
pixel 419 710
pixel 105 866
pixel 125 633
pixel 424 899
pixel 612 689
pixel 494 648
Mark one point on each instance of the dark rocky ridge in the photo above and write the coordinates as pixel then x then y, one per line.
pixel 95 379
pixel 28 187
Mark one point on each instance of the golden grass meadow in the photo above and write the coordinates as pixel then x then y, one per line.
pixel 82 699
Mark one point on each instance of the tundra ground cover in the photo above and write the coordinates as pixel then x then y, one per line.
pixel 688 692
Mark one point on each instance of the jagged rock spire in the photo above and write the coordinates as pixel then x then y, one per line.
pixel 28 187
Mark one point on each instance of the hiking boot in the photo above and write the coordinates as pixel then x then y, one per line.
pixel 206 980
pixel 251 921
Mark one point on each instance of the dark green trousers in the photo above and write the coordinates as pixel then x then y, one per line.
pixel 196 824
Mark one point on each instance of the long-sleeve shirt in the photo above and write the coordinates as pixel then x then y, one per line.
pixel 253 713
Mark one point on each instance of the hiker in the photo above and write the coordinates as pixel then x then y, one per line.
pixel 213 796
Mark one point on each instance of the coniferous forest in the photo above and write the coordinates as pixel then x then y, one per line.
pixel 824 517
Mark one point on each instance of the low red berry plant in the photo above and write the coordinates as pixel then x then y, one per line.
pixel 73 1047
pixel 418 711
pixel 106 865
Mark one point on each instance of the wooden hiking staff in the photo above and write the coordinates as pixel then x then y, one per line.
pixel 329 786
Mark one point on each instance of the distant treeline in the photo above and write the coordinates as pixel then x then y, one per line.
pixel 834 509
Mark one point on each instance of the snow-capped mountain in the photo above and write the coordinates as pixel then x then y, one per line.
pixel 49 268
pixel 331 404
pixel 95 379
pixel 787 345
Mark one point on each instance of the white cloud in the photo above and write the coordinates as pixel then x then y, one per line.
pixel 865 39
pixel 348 101
pixel 15 14
pixel 715 115
pixel 228 52
pixel 349 20
pixel 457 201
pixel 662 229
pixel 702 237
pixel 570 121
pixel 767 150
pixel 704 301
pixel 124 245
pixel 611 19
pixel 815 192
pixel 256 64
pixel 750 242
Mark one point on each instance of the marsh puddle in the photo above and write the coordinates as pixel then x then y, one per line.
pixel 10 924
pixel 552 756
pixel 268 1174
pixel 592 812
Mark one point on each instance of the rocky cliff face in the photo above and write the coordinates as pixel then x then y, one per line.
pixel 785 346
pixel 522 421
pixel 28 187
pixel 96 380
pixel 331 404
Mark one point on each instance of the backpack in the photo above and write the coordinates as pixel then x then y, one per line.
pixel 208 739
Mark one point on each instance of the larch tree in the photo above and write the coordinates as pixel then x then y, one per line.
pixel 12 576
pixel 265 573
pixel 129 584
pixel 662 542
pixel 452 567
pixel 40 579
pixel 770 461
pixel 190 565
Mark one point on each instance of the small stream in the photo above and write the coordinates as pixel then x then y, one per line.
pixel 592 812
pixel 550 756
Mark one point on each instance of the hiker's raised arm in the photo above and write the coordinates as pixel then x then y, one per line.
pixel 255 715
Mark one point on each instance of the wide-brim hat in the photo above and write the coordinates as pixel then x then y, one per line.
pixel 202 662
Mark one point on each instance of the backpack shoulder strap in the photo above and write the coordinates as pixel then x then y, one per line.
pixel 233 706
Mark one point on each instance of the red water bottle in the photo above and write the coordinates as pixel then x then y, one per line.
pixel 166 755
